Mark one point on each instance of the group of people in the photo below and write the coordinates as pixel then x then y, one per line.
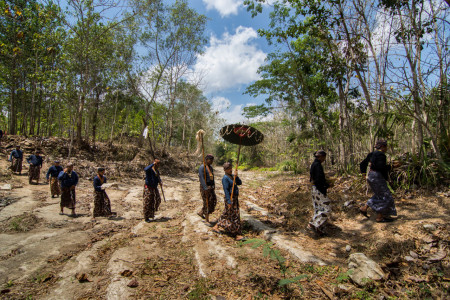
pixel 63 182
pixel 375 168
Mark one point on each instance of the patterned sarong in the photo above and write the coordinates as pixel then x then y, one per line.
pixel 16 165
pixel 102 204
pixel 322 208
pixel 34 172
pixel 230 220
pixel 152 200
pixel 68 198
pixel 54 186
pixel 210 196
pixel 382 201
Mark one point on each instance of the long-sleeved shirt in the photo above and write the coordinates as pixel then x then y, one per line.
pixel 227 183
pixel 68 180
pixel 34 160
pixel 209 177
pixel 18 154
pixel 317 177
pixel 152 178
pixel 378 163
pixel 98 183
pixel 54 171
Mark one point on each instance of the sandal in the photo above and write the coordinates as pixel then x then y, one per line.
pixel 385 220
pixel 364 213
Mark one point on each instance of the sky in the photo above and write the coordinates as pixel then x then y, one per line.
pixel 232 56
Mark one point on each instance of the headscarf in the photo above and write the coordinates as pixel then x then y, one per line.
pixel 227 166
pixel 319 153
pixel 380 143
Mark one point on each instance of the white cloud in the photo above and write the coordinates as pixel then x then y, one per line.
pixel 231 61
pixel 230 113
pixel 224 7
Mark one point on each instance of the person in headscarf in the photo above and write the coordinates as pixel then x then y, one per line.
pixel 102 204
pixel 16 158
pixel 230 220
pixel 320 201
pixel 69 180
pixel 152 199
pixel 207 188
pixel 52 174
pixel 34 172
pixel 382 201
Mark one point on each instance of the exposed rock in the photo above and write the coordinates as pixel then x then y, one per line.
pixel 413 254
pixel 429 227
pixel 409 258
pixel 133 283
pixel 440 255
pixel 6 187
pixel 363 269
pixel 348 248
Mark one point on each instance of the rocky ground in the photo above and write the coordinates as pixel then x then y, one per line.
pixel 44 255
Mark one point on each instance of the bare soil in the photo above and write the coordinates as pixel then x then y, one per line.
pixel 44 255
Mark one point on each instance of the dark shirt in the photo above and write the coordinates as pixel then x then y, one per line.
pixel 68 180
pixel 317 177
pixel 209 180
pixel 98 183
pixel 1 133
pixel 378 163
pixel 54 171
pixel 18 154
pixel 151 178
pixel 34 160
pixel 227 182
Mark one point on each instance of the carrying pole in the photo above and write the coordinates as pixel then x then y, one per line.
pixel 235 173
pixel 204 174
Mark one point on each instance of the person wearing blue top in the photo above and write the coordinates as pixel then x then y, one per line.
pixel 16 158
pixel 52 174
pixel 35 161
pixel 230 221
pixel 152 199
pixel 69 180
pixel 102 204
pixel 207 188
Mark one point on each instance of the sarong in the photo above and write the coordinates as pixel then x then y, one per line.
pixel 152 200
pixel 34 172
pixel 54 186
pixel 68 198
pixel 102 204
pixel 210 196
pixel 16 165
pixel 322 208
pixel 382 201
pixel 230 220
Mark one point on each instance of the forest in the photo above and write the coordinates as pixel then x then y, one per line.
pixel 341 75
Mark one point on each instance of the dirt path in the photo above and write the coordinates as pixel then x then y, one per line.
pixel 44 255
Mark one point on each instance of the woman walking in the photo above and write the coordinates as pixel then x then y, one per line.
pixel 320 201
pixel 230 220
pixel 102 204
pixel 382 201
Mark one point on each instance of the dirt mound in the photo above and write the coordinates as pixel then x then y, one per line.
pixel 120 160
pixel 22 223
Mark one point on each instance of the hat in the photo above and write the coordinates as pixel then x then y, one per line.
pixel 56 161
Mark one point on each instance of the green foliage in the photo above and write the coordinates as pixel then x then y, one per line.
pixel 275 255
pixel 200 290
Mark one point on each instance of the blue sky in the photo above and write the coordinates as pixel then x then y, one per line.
pixel 232 56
